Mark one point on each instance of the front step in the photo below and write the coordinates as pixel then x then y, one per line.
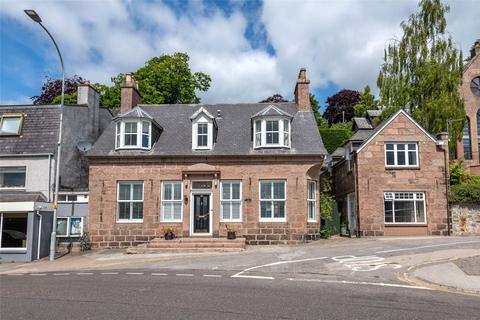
pixel 160 245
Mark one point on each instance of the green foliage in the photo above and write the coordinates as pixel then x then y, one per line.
pixel 366 102
pixel 334 138
pixel 168 79
pixel 69 98
pixel 423 70
pixel 464 193
pixel 316 110
pixel 325 232
pixel 326 200
pixel 472 180
pixel 457 173
pixel 110 96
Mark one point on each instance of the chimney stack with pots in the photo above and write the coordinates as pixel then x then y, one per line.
pixel 302 92
pixel 130 96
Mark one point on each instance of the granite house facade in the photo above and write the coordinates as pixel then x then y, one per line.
pixel 392 180
pixel 203 169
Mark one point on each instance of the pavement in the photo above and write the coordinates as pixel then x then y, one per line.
pixel 462 274
pixel 338 278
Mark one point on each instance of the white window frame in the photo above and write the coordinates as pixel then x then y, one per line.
pixel 417 196
pixel 165 201
pixel 120 135
pixel 19 128
pixel 202 119
pixel 69 229
pixel 281 133
pixel 272 200
pixel 14 169
pixel 130 220
pixel 406 151
pixel 81 197
pixel 312 200
pixel 230 201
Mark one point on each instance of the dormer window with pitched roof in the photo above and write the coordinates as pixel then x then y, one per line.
pixel 133 130
pixel 272 128
pixel 203 130
pixel 11 124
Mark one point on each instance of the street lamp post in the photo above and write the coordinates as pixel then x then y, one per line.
pixel 35 17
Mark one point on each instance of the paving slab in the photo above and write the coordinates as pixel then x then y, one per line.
pixel 471 265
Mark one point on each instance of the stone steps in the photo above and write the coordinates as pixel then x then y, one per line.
pixel 190 244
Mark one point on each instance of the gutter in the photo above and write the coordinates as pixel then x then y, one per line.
pixel 19 155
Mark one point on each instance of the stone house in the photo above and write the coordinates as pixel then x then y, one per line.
pixel 469 148
pixel 28 145
pixel 392 180
pixel 201 169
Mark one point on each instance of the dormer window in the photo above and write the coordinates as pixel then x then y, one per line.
pixel 272 133
pixel 272 128
pixel 10 124
pixel 133 134
pixel 203 130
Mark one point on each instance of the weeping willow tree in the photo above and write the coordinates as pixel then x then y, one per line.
pixel 423 70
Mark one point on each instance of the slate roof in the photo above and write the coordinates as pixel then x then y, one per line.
pixel 374 113
pixel 22 196
pixel 137 112
pixel 272 110
pixel 362 123
pixel 339 152
pixel 234 135
pixel 39 130
pixel 362 135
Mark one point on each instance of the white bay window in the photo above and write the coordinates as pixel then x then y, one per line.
pixel 133 134
pixel 272 133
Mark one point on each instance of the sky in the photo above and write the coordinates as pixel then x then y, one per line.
pixel 251 49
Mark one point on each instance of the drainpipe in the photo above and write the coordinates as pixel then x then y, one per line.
pixel 357 201
pixel 447 187
pixel 39 233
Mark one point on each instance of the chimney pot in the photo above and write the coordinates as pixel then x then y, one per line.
pixel 302 91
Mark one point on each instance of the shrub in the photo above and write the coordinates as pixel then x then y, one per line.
pixel 325 232
pixel 464 193
pixel 472 180
pixel 457 173
pixel 334 138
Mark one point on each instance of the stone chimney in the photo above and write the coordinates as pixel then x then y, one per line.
pixel 130 96
pixel 477 47
pixel 302 92
pixel 88 95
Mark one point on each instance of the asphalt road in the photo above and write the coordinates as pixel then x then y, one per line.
pixel 337 280
pixel 147 296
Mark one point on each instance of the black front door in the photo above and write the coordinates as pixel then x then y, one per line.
pixel 201 213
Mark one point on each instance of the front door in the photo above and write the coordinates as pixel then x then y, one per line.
pixel 201 213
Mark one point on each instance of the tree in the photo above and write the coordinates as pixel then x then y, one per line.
pixel 365 102
pixel 168 79
pixel 110 96
pixel 423 70
pixel 316 110
pixel 276 98
pixel 52 88
pixel 340 106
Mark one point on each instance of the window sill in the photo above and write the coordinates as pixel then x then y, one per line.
pixel 276 146
pixel 402 167
pixel 13 250
pixel 128 221
pixel 405 224
pixel 12 188
pixel 230 221
pixel 273 220
pixel 312 221
pixel 171 221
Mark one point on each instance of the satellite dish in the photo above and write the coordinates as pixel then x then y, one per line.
pixel 84 146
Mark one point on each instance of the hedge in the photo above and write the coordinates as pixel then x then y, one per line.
pixel 334 138
pixel 464 193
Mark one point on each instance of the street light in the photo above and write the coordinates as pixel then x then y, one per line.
pixel 35 17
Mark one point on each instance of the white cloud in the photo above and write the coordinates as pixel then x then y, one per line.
pixel 338 41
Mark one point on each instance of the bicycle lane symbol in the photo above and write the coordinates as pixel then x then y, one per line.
pixel 365 263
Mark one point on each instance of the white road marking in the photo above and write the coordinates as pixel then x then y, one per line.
pixel 381 284
pixel 212 275
pixel 239 274
pixel 38 274
pixel 159 274
pixel 84 273
pixel 429 246
pixel 184 275
pixel 61 274
pixel 109 273
pixel 134 273
pixel 365 263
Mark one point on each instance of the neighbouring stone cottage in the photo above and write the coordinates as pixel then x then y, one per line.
pixel 392 180
pixel 202 169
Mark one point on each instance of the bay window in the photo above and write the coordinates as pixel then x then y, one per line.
pixel 401 154
pixel 231 201
pixel 273 200
pixel 130 201
pixel 272 133
pixel 172 207
pixel 404 207
pixel 133 134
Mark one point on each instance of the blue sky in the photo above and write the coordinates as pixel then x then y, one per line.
pixel 252 49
